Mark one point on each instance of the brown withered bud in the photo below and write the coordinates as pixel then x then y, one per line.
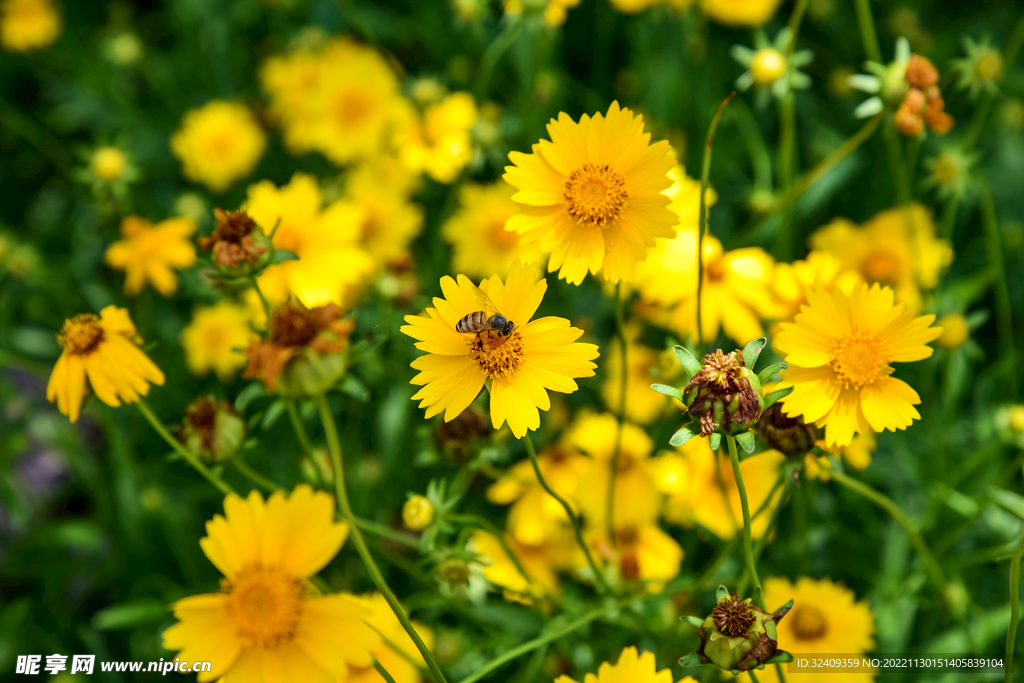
pixel 739 635
pixel 937 118
pixel 908 123
pixel 723 395
pixel 235 240
pixel 212 431
pixel 788 435
pixel 921 73
pixel 914 101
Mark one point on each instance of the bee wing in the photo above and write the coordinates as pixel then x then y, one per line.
pixel 485 302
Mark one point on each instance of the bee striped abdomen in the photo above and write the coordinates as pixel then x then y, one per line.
pixel 477 321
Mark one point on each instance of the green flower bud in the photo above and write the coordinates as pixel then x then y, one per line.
pixel 212 431
pixel 725 396
pixel 454 571
pixel 738 635
pixel 240 249
pixel 788 435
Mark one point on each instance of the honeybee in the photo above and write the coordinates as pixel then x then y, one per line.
pixel 488 320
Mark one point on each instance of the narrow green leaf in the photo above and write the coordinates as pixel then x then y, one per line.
pixel 771 371
pixel 1008 500
pixel 774 397
pixel 275 411
pixel 752 350
pixel 668 391
pixel 354 387
pixel 1008 550
pixel 129 614
pixel 282 255
pixel 746 441
pixel 692 659
pixel 696 622
pixel 780 657
pixel 249 394
pixel 715 440
pixel 721 592
pixel 690 364
pixel 683 435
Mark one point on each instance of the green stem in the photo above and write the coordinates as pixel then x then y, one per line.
pixel 897 513
pixel 779 670
pixel 263 299
pixel 705 174
pixel 384 531
pixel 382 671
pixel 299 427
pixel 598 576
pixel 189 457
pixel 894 150
pixel 949 217
pixel 620 330
pixel 531 645
pixel 748 551
pixel 1011 633
pixel 498 47
pixel 794 25
pixel 254 476
pixel 752 676
pixel 760 158
pixel 760 545
pixel 334 448
pixel 867 30
pixel 994 245
pixel 787 134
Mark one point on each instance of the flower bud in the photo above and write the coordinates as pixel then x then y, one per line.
pixel 454 571
pixel 725 395
pixel 240 247
pixel 921 73
pixel 417 513
pixel 907 122
pixel 212 431
pixel 738 635
pixel 788 435
pixel 954 331
pixel 1017 419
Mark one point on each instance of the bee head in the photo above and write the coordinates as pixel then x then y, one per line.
pixel 509 326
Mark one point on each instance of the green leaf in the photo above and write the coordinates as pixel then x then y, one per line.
pixel 690 364
pixel 721 592
pixel 668 391
pixel 752 350
pixel 774 397
pixel 696 622
pixel 1008 500
pixel 780 657
pixel 354 387
pixel 129 614
pixel 771 371
pixel 282 255
pixel 746 441
pixel 1008 550
pixel 683 435
pixel 715 440
pixel 275 411
pixel 249 394
pixel 692 659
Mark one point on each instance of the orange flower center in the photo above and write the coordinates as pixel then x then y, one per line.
pixel 881 267
pixel 497 355
pixel 715 270
pixel 81 334
pixel 859 359
pixel 505 240
pixel 352 108
pixel 808 623
pixel 595 194
pixel 265 604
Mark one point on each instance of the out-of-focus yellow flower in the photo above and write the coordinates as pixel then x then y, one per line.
pixel 152 253
pixel 739 12
pixel 644 553
pixel 265 624
pixel 440 143
pixel 541 563
pixel 1016 420
pixel 701 489
pixel 107 164
pixel 218 144
pixel 481 246
pixel 536 517
pixel 631 668
pixel 642 404
pixel 897 248
pixel 955 331
pixel 857 454
pixel 331 265
pixel 102 348
pixel 593 195
pixel 417 513
pixel 216 339
pixel 397 651
pixel 636 501
pixel 27 25
pixel 791 281
pixel 388 220
pixel 636 6
pixel 291 81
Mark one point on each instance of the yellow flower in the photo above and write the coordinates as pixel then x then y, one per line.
pixel 27 25
pixel 396 649
pixel 790 281
pixel 216 339
pixel 840 349
pixel 539 355
pixel 642 404
pixel 701 488
pixel 955 331
pixel 826 617
pixel 481 246
pixel 636 500
pixel 632 667
pixel 417 513
pixel 739 12
pixel 536 517
pixel 103 349
pixel 218 143
pixel 540 562
pixel 331 265
pixel 593 196
pixel 269 623
pixel 644 553
pixel 107 164
pixel 897 248
pixel 152 253
pixel 291 81
pixel 440 144
pixel 388 220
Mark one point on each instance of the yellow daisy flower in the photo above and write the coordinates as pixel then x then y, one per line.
pixel 539 355
pixel 540 562
pixel 701 489
pixel 152 253
pixel 291 81
pixel 636 500
pixel 388 220
pixel 331 265
pixel 218 143
pixel 839 350
pixel 739 12
pixel 103 349
pixel 790 281
pixel 269 623
pixel 593 195
pixel 535 516
pixel 641 406
pixel 481 246
pixel 897 248
pixel 632 667
pixel 643 553
pixel 216 339
pixel 27 25
pixel 440 144
pixel 826 618
pixel 397 652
